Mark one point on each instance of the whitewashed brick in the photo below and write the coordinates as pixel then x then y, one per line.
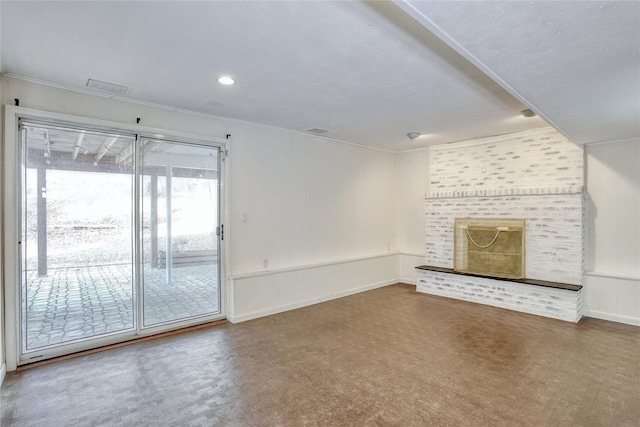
pixel 539 159
pixel 536 175
pixel 553 236
pixel 549 302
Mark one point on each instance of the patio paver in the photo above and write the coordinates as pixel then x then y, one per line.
pixel 75 303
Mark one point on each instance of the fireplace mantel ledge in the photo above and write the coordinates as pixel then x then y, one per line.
pixel 498 192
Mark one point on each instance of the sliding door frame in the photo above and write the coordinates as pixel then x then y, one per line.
pixel 11 222
pixel 138 230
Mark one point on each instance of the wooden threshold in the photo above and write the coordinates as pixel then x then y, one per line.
pixel 120 344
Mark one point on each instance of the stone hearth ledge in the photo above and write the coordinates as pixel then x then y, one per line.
pixel 550 299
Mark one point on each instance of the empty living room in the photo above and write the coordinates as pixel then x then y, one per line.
pixel 320 213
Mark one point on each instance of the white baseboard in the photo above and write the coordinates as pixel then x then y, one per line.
pixel 612 297
pixel 3 372
pixel 280 309
pixel 300 304
pixel 612 317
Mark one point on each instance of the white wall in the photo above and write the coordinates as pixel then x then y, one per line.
pixel 273 291
pixel 613 180
pixel 308 201
pixel 613 231
pixel 309 204
pixel 3 359
pixel 413 183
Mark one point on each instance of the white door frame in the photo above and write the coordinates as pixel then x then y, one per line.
pixel 11 222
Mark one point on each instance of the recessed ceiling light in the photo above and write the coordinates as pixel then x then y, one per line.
pixel 226 80
pixel 413 135
pixel 528 113
pixel 317 131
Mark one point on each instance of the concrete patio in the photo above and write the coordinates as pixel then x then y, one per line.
pixel 74 303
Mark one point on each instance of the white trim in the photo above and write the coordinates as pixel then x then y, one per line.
pixel 300 304
pixel 635 321
pixel 612 275
pixel 615 141
pixel 3 372
pixel 10 238
pixel 91 122
pixel 225 222
pixel 224 210
pixel 251 274
pixel 396 211
pixel 412 254
pixel 411 150
pixel 182 111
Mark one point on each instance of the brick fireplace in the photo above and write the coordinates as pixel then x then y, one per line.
pixel 534 175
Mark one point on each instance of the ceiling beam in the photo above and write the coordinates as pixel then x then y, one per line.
pixel 155 146
pixel 417 10
pixel 62 161
pixel 108 142
pixel 47 144
pixel 76 148
pixel 126 154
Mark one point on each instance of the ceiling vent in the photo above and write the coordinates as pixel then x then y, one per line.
pixel 317 131
pixel 107 87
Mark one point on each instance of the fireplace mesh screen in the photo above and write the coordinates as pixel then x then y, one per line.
pixel 490 247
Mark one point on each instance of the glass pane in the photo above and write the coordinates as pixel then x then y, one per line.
pixel 77 269
pixel 179 219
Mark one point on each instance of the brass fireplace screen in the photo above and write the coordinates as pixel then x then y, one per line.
pixel 490 247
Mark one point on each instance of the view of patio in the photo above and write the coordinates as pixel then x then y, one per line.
pixel 74 303
pixel 79 192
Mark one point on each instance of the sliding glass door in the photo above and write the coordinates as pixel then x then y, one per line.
pixel 77 252
pixel 179 230
pixel 118 237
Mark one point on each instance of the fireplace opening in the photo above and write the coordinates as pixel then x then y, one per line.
pixel 493 247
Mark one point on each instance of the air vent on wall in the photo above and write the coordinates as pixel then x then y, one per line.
pixel 317 131
pixel 107 87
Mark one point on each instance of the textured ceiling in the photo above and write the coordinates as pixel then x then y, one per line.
pixel 577 63
pixel 367 72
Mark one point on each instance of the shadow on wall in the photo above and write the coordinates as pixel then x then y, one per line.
pixel 613 207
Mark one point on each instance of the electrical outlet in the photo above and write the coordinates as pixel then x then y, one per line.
pixel 245 218
pixel 265 263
